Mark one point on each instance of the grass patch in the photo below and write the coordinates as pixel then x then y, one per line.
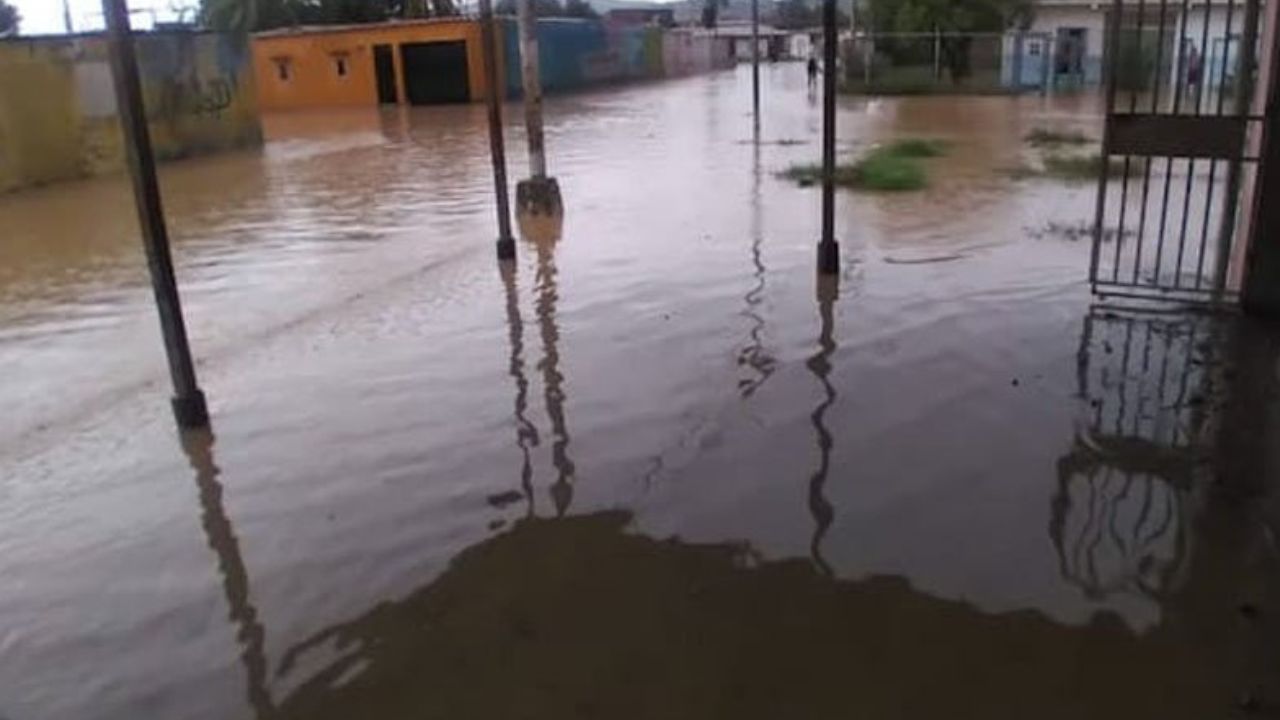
pixel 895 167
pixel 917 148
pixel 1076 168
pixel 1043 137
pixel 1081 168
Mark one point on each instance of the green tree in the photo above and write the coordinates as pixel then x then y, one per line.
pixel 579 9
pixel 541 8
pixel 953 18
pixel 10 18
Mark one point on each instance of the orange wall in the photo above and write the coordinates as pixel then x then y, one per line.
pixel 312 56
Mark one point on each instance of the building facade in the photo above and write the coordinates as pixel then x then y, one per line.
pixel 58 117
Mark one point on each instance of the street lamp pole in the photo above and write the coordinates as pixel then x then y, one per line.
pixel 189 406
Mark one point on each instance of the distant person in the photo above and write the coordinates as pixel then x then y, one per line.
pixel 813 71
pixel 1195 68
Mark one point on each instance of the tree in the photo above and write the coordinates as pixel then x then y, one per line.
pixel 254 15
pixel 797 14
pixel 711 12
pixel 580 9
pixel 953 18
pixel 10 18
pixel 541 8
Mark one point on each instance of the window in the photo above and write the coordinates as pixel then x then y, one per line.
pixel 284 68
pixel 340 64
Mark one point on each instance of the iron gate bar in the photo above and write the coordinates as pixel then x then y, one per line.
pixel 1244 96
pixel 1213 167
pixel 1146 166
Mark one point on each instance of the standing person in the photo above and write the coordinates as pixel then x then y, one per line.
pixel 1194 71
pixel 813 72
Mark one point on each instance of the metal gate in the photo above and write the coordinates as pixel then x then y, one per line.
pixel 1179 149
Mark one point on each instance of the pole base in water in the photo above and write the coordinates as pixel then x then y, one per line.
pixel 191 411
pixel 829 258
pixel 506 248
pixel 539 196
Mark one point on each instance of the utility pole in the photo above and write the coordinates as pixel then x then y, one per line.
pixel 828 250
pixel 66 17
pixel 189 406
pixel 755 66
pixel 497 149
pixel 539 196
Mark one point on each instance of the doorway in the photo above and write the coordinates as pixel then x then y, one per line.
pixel 436 73
pixel 384 65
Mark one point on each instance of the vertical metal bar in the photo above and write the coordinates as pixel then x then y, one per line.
pixel 1213 164
pixel 1191 162
pixel 1178 74
pixel 497 151
pixel 189 405
pixel 1146 164
pixel 1231 198
pixel 1204 56
pixel 828 250
pixel 1100 214
pixel 755 66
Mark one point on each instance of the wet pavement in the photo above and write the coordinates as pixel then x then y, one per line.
pixel 656 471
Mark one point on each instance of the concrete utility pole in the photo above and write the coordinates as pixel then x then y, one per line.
pixel 828 250
pixel 755 65
pixel 538 196
pixel 188 402
pixel 497 149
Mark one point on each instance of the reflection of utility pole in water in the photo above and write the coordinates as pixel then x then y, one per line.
pixel 754 354
pixel 552 380
pixel 526 432
pixel 188 401
pixel 198 445
pixel 538 198
pixel 497 148
pixel 820 365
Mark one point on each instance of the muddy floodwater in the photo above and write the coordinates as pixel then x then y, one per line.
pixel 655 471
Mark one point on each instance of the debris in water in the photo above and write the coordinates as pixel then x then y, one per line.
pixel 503 499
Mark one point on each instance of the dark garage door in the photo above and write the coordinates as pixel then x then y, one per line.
pixel 436 72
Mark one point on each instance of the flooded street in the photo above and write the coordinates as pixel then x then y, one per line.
pixel 658 471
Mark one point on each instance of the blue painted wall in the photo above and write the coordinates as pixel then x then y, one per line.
pixel 565 47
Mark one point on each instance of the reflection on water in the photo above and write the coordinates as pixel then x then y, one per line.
pixel 387 404
pixel 526 431
pixel 251 636
pixel 552 378
pixel 576 617
pixel 820 365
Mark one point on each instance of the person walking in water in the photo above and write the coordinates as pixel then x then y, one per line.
pixel 813 72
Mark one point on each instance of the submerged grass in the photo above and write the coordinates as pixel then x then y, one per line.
pixel 895 167
pixel 1076 168
pixel 1043 137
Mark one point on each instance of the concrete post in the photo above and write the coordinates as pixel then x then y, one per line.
pixel 755 66
pixel 189 406
pixel 497 149
pixel 539 196
pixel 828 250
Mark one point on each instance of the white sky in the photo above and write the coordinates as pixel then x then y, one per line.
pixel 41 17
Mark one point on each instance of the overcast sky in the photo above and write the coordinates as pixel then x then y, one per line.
pixel 45 16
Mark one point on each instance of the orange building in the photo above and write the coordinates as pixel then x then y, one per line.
pixel 418 62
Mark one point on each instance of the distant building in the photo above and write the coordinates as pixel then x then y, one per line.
pixel 1076 34
pixel 58 115
pixel 774 44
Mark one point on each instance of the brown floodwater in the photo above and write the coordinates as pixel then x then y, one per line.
pixel 656 470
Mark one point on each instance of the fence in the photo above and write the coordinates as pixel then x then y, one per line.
pixel 907 63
